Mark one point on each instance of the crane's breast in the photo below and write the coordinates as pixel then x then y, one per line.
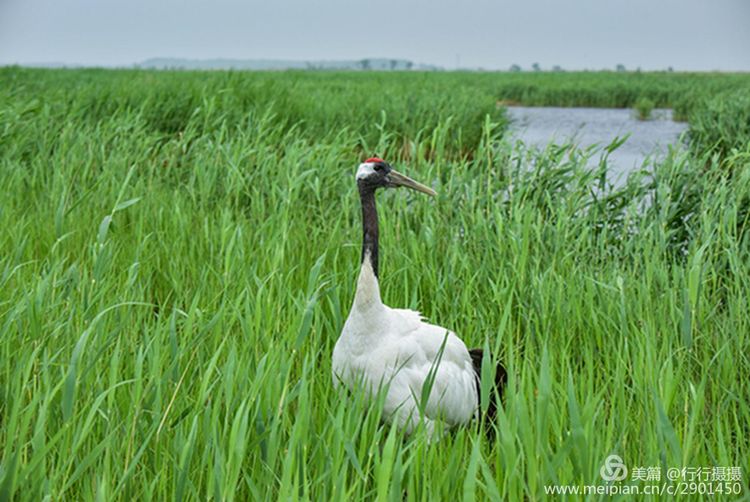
pixel 404 355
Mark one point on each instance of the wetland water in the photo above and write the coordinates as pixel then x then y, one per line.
pixel 538 126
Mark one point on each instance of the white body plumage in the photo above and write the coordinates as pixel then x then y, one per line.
pixel 395 350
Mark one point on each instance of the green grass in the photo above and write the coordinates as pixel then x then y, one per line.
pixel 684 92
pixel 721 128
pixel 643 108
pixel 180 252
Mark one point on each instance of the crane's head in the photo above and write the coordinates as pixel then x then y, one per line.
pixel 375 173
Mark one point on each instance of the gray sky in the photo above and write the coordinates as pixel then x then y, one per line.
pixel 576 34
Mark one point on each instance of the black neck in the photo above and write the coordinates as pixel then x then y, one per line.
pixel 369 226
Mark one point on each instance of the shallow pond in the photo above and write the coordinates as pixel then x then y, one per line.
pixel 538 126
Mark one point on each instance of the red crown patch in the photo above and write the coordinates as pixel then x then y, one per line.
pixel 373 160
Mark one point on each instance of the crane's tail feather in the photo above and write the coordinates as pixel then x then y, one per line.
pixel 501 378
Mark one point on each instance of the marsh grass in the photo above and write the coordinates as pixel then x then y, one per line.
pixel 169 298
pixel 643 108
pixel 721 127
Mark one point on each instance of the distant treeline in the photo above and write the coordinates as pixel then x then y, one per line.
pixel 378 64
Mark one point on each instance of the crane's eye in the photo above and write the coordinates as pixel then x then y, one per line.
pixel 379 167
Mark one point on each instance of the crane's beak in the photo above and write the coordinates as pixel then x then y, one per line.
pixel 396 179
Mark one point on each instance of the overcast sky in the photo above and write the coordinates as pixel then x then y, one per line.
pixel 575 34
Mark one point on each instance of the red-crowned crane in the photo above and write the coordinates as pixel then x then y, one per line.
pixel 395 350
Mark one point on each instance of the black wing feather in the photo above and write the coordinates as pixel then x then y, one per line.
pixel 501 379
